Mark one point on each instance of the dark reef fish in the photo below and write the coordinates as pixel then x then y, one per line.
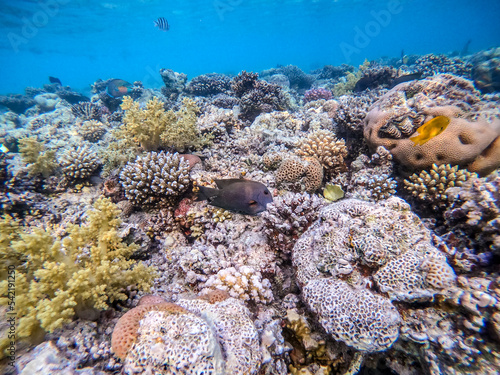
pixel 406 78
pixel 162 24
pixel 240 195
pixel 118 87
pixel 55 80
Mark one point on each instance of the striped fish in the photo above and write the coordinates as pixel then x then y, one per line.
pixel 162 24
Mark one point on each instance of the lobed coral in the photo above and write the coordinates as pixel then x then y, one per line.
pixel 84 270
pixel 155 177
pixel 325 147
pixel 471 139
pixel 78 163
pixel 244 283
pixel 194 336
pixel 430 186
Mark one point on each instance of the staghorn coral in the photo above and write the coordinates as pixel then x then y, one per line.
pixel 155 177
pixel 430 186
pixel 39 160
pixel 192 335
pixel 244 283
pixel 78 163
pixel 288 217
pixel 91 130
pixel 153 126
pixel 299 174
pixel 84 270
pixel 324 146
pixel 471 139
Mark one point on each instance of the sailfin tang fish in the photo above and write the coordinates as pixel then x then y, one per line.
pixel 240 195
pixel 162 24
pixel 430 129
pixel 118 87
pixel 55 80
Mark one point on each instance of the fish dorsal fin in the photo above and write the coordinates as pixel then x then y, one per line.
pixel 221 184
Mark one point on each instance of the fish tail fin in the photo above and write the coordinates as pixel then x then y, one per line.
pixel 206 193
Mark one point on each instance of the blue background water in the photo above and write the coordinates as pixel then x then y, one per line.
pixel 80 41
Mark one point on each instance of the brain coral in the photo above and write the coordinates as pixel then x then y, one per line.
pixel 470 140
pixel 189 337
pixel 353 240
pixel 154 177
pixel 300 174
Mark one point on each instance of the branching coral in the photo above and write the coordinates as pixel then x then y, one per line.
pixel 91 130
pixel 154 177
pixel 85 270
pixel 79 163
pixel 153 126
pixel 324 146
pixel 430 186
pixel 40 160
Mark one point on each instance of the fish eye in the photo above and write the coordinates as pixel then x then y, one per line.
pixel 266 192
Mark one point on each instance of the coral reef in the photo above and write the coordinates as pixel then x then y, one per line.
pixel 486 70
pixel 84 270
pixel 16 103
pixel 38 159
pixel 174 82
pixel 431 64
pixel 155 178
pixel 469 140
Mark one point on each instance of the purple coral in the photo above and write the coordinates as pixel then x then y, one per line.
pixel 317 94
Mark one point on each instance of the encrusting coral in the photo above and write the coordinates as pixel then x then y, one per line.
pixel 153 126
pixel 79 273
pixel 155 177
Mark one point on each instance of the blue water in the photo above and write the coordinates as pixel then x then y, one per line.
pixel 80 41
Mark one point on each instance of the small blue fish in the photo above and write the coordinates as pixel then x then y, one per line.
pixel 162 24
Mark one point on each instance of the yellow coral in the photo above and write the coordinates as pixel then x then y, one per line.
pixel 86 270
pixel 153 127
pixel 39 160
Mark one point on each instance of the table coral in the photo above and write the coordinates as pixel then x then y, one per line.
pixel 471 138
pixel 154 177
pixel 85 270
